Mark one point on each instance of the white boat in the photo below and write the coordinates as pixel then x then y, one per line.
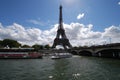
pixel 61 55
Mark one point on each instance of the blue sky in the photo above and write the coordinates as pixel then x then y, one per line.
pixel 96 17
pixel 100 13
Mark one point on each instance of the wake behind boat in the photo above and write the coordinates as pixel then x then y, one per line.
pixel 61 55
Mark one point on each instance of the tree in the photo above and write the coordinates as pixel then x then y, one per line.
pixel 10 43
pixel 25 46
pixel 0 44
pixel 47 46
pixel 37 47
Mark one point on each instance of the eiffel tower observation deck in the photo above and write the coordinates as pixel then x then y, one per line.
pixel 61 38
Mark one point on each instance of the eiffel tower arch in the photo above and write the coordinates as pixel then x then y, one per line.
pixel 61 38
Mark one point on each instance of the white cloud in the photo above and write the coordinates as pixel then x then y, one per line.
pixel 78 34
pixel 112 31
pixel 18 32
pixel 80 16
pixel 36 22
pixel 69 2
pixel 118 3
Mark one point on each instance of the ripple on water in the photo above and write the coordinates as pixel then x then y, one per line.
pixel 75 68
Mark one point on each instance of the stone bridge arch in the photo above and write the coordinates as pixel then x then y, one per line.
pixel 74 52
pixel 110 52
pixel 104 48
pixel 85 53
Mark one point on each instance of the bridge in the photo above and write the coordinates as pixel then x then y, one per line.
pixel 109 50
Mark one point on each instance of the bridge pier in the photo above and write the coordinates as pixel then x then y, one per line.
pixel 99 54
pixel 113 54
pixel 119 54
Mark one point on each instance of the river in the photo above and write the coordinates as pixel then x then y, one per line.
pixel 75 68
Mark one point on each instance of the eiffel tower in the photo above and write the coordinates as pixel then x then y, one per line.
pixel 61 38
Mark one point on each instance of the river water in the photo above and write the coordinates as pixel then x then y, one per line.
pixel 75 68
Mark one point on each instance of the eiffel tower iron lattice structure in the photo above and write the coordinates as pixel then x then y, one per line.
pixel 61 38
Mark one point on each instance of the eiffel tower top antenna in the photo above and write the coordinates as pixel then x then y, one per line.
pixel 60 1
pixel 60 18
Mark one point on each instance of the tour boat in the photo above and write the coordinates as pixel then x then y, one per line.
pixel 19 53
pixel 61 55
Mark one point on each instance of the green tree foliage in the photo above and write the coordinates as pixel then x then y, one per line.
pixel 47 46
pixel 0 44
pixel 37 47
pixel 13 43
pixel 25 46
pixel 9 42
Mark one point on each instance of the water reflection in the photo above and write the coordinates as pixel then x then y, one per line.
pixel 60 71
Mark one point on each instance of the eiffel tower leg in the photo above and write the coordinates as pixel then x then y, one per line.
pixel 70 46
pixel 65 47
pixel 54 45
